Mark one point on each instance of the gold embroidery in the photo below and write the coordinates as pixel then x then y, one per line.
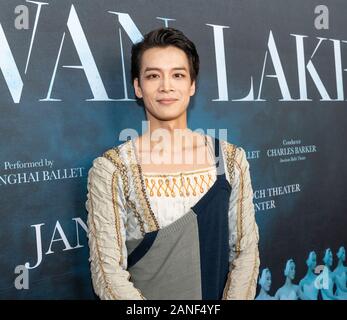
pixel 116 213
pixel 230 151
pixel 108 286
pixel 129 202
pixel 140 189
pixel 171 187
pixel 240 210
pixel 115 160
pixel 175 174
pixel 114 156
pixel 252 285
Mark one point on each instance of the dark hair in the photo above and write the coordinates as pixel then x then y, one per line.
pixel 164 37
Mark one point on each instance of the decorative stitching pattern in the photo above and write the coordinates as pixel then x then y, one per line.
pixel 116 213
pixel 114 156
pixel 240 211
pixel 230 151
pixel 184 186
pixel 108 286
pixel 175 174
pixel 140 190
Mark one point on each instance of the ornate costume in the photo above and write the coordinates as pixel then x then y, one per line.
pixel 188 235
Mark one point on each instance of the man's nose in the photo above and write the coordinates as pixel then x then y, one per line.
pixel 166 84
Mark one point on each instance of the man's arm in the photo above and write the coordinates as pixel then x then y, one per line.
pixel 244 267
pixel 106 224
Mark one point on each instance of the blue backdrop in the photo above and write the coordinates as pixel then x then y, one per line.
pixel 272 73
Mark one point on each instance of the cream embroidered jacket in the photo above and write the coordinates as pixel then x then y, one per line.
pixel 118 209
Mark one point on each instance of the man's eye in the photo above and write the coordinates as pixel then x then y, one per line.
pixel 179 75
pixel 152 76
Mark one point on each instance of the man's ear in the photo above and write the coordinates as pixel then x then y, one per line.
pixel 192 88
pixel 138 90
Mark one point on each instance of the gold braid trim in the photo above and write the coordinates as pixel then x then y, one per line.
pixel 240 229
pixel 108 286
pixel 116 213
pixel 240 211
pixel 183 186
pixel 230 150
pixel 114 156
pixel 140 189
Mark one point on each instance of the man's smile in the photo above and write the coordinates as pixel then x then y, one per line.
pixel 167 101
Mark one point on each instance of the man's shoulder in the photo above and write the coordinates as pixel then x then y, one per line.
pixel 233 151
pixel 117 153
pixel 115 150
pixel 228 145
pixel 235 156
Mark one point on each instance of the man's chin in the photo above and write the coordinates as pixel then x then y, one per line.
pixel 168 115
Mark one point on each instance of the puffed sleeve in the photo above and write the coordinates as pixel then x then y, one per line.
pixel 106 233
pixel 244 236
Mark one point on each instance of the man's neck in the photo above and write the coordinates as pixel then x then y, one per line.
pixel 170 142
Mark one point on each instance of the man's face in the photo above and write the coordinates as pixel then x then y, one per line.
pixel 165 83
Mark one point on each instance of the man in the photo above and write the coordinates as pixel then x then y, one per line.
pixel 171 213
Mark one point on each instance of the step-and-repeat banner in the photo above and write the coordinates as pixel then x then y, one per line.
pixel 273 74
